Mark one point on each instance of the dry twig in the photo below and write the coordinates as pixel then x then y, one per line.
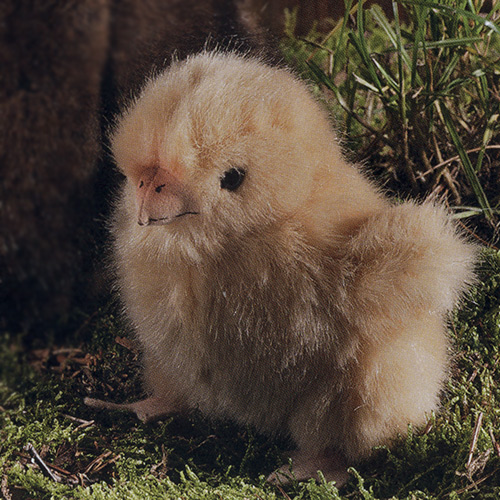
pixel 494 442
pixel 83 423
pixel 37 459
pixel 4 489
pixel 475 435
pixel 100 462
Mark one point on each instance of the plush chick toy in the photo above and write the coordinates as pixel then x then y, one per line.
pixel 267 280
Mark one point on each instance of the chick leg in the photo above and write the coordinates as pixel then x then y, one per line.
pixel 306 466
pixel 146 410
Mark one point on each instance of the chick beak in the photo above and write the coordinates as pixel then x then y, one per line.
pixel 161 197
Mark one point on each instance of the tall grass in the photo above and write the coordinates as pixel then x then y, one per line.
pixel 417 95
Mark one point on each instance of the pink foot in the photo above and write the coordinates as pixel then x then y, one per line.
pixel 147 410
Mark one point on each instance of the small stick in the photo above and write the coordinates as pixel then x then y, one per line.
pixel 475 484
pixel 455 158
pixel 127 343
pixel 476 236
pixel 79 420
pixel 81 479
pixel 5 488
pixel 97 460
pixel 496 446
pixel 60 470
pixel 428 427
pixel 473 443
pixel 472 377
pixel 67 350
pixel 83 423
pixel 37 459
pixel 103 464
pixel 283 492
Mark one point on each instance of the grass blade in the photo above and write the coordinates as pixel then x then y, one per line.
pixel 393 36
pixel 419 43
pixel 487 137
pixel 385 73
pixel 365 83
pixel 359 42
pixel 454 42
pixel 466 163
pixel 348 5
pixel 455 12
pixel 448 70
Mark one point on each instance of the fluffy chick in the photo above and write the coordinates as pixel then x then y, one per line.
pixel 267 280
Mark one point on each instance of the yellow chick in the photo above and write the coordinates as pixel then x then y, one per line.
pixel 267 280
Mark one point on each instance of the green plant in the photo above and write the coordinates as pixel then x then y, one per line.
pixel 418 96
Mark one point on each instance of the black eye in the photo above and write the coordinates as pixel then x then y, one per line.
pixel 232 179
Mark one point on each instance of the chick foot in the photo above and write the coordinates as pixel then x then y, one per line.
pixel 146 410
pixel 306 466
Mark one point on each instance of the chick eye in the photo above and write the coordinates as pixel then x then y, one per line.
pixel 232 179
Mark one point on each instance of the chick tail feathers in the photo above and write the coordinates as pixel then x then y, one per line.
pixel 408 269
pixel 408 259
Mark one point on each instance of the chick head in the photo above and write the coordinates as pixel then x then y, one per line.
pixel 224 141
